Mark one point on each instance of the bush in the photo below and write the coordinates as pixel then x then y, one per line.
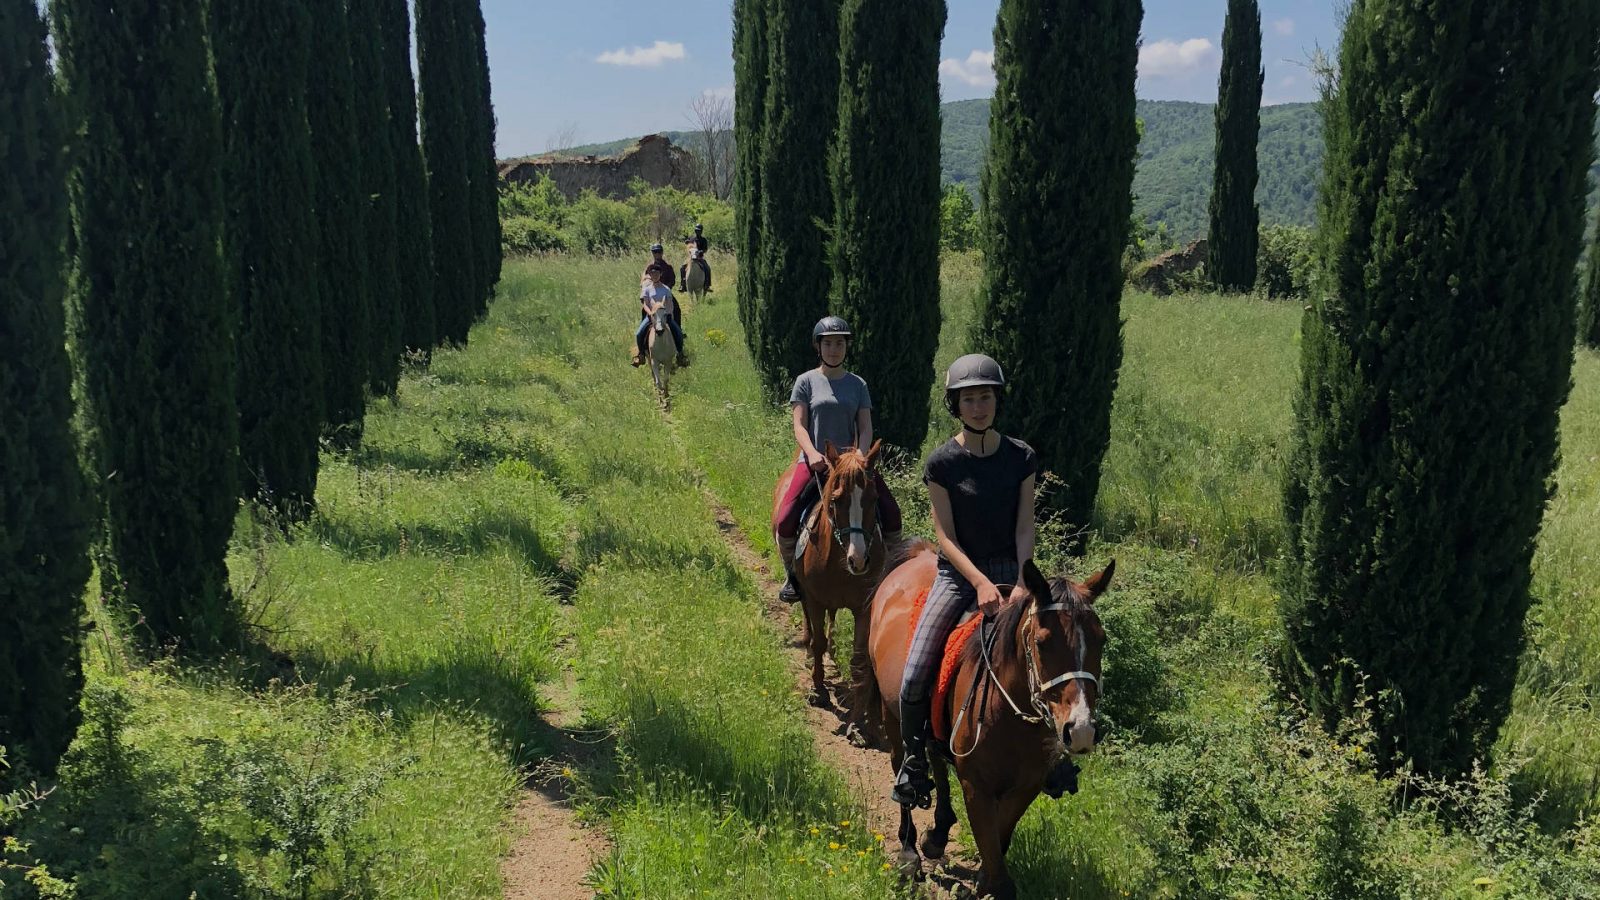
pixel 1284 264
pixel 539 200
pixel 527 234
pixel 600 225
pixel 958 219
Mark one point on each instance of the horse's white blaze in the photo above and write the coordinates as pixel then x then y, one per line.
pixel 1080 722
pixel 857 557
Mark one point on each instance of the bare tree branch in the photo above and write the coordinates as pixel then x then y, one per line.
pixel 712 115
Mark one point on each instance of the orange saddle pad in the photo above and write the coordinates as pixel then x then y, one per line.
pixel 947 665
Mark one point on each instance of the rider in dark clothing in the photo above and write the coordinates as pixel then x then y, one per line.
pixel 668 276
pixel 700 243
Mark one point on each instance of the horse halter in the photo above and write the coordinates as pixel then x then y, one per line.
pixel 841 536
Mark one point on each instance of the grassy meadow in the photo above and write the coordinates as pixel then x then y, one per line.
pixel 522 512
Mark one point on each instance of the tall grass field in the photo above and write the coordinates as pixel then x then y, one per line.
pixel 523 512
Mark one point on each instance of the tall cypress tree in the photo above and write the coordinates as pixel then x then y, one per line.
pixel 270 245
pixel 749 111
pixel 801 114
pixel 1057 194
pixel 483 175
pixel 444 100
pixel 44 527
pixel 414 236
pixel 1234 216
pixel 371 117
pixel 153 321
pixel 1434 361
pixel 886 197
pixel 336 148
pixel 1589 301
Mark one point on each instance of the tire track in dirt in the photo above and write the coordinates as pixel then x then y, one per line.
pixel 551 851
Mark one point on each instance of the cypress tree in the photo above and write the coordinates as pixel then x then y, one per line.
pixel 153 322
pixel 1435 358
pixel 1057 195
pixel 371 117
pixel 444 101
pixel 1235 218
pixel 270 245
pixel 1589 301
pixel 749 109
pixel 483 175
pixel 886 195
pixel 413 236
pixel 44 526
pixel 799 119
pixel 336 150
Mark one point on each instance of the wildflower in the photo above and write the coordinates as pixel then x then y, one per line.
pixel 877 836
pixel 885 867
pixel 845 824
pixel 815 830
pixel 833 845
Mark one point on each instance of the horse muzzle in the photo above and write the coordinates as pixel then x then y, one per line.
pixel 1080 738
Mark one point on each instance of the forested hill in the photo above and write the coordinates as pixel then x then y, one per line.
pixel 1173 179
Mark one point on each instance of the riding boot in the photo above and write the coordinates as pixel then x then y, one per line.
pixel 1063 779
pixel 913 786
pixel 790 592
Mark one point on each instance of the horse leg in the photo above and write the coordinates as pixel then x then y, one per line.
pixel 860 671
pixel 908 860
pixel 817 618
pixel 982 813
pixel 937 838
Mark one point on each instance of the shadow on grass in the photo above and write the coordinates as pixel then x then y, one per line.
pixel 670 741
pixel 368 539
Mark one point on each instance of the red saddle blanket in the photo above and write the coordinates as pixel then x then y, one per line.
pixel 947 665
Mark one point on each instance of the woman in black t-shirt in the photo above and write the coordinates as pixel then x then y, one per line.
pixel 980 483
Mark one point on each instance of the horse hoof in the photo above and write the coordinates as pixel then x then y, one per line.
pixel 909 863
pixel 931 851
pixel 819 699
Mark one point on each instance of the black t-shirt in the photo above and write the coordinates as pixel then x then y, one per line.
pixel 984 494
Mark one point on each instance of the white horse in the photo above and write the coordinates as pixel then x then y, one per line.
pixel 662 353
pixel 694 277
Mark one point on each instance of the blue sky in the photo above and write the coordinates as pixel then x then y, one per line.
pixel 605 69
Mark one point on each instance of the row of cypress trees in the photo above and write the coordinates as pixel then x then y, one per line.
pixel 1234 216
pixel 249 255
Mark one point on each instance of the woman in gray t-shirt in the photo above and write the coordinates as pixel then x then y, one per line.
pixel 829 405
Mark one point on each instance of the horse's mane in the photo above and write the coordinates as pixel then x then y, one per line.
pixel 899 556
pixel 1009 621
pixel 849 464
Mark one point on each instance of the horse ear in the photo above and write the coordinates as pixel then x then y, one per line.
pixel 1097 584
pixel 831 452
pixel 1035 582
pixel 872 453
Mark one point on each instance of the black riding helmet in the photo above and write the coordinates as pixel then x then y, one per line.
pixel 829 325
pixel 972 370
pixel 698 228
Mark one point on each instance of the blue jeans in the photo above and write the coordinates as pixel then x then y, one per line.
pixel 644 328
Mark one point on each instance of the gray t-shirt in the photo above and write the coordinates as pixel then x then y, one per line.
pixel 833 404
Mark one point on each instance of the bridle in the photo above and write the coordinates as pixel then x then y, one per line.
pixel 1037 685
pixel 841 535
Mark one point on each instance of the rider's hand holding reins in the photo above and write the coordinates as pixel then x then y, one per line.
pixel 989 600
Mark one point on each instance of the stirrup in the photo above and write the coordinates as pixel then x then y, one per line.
pixel 790 592
pixel 911 786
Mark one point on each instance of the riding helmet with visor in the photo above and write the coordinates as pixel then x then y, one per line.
pixel 972 370
pixel 827 326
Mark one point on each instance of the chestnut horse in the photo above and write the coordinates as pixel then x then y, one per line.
pixel 1019 702
pixel 838 566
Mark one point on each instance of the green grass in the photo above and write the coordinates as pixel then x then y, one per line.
pixel 422 613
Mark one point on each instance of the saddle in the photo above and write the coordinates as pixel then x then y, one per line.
pixel 948 663
pixel 808 522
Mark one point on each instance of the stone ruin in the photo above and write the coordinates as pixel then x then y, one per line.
pixel 1157 275
pixel 654 158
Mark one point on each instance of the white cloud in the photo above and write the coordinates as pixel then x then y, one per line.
pixel 1167 58
pixel 977 70
pixel 651 56
pixel 1284 26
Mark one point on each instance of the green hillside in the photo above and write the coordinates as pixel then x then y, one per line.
pixel 1173 181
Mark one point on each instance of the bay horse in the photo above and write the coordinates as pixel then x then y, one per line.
pixel 1019 702
pixel 837 567
pixel 662 353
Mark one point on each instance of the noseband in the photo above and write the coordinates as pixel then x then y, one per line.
pixel 1037 686
pixel 841 535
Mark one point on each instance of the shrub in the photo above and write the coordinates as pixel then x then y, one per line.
pixel 526 234
pixel 1284 265
pixel 600 225
pixel 958 219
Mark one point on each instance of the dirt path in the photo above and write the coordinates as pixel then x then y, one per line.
pixel 551 851
pixel 866 770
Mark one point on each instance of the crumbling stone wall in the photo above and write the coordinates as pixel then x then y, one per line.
pixel 655 159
